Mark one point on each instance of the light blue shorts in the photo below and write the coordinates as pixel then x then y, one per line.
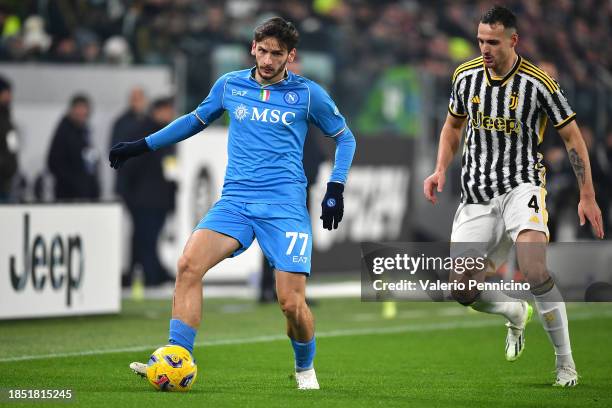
pixel 283 231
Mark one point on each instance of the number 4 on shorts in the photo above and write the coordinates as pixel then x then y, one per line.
pixel 533 203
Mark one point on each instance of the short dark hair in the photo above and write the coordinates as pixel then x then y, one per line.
pixel 164 102
pixel 284 32
pixel 79 98
pixel 499 15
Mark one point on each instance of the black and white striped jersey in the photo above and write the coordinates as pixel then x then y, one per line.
pixel 506 122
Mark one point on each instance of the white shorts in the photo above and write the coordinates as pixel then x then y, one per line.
pixel 496 223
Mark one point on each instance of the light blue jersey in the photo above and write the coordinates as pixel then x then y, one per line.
pixel 264 193
pixel 268 126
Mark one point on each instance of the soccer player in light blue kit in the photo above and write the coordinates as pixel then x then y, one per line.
pixel 264 193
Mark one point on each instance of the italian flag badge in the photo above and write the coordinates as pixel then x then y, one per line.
pixel 264 95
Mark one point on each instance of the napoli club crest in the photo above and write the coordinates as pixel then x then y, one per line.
pixel 291 98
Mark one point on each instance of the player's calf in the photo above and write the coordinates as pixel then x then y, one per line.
pixel 291 291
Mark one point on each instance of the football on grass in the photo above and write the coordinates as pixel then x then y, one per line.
pixel 171 368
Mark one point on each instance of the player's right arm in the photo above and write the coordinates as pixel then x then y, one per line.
pixel 450 139
pixel 180 129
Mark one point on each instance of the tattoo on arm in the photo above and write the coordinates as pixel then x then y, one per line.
pixel 577 165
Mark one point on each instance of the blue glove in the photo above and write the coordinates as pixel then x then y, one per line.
pixel 122 151
pixel 332 205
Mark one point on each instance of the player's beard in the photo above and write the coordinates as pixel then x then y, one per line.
pixel 269 76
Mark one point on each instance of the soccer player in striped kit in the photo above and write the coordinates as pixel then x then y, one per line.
pixel 507 102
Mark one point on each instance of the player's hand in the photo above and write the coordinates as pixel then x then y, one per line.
pixel 434 182
pixel 122 151
pixel 332 205
pixel 589 210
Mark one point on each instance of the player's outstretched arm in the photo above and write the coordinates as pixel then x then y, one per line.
pixel 450 138
pixel 579 159
pixel 180 129
pixel 332 207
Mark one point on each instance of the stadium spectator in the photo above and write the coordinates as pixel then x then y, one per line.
pixel 36 41
pixel 72 160
pixel 88 45
pixel 148 195
pixel 117 51
pixel 127 126
pixel 9 142
pixel 65 50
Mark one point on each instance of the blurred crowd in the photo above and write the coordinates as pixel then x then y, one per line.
pixel 364 40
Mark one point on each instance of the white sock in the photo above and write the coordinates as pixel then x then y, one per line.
pixel 551 309
pixel 495 302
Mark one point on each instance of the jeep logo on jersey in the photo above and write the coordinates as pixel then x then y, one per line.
pixel 268 115
pixel 499 124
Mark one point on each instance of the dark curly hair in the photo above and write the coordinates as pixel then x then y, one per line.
pixel 285 32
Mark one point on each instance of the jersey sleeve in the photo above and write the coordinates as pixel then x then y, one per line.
pixel 323 112
pixel 212 107
pixel 455 105
pixel 556 106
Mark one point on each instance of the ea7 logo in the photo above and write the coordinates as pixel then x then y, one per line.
pixel 300 259
pixel 236 92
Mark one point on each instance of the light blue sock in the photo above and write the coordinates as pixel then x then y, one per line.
pixel 182 334
pixel 304 354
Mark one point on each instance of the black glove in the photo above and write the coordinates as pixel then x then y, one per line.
pixel 332 205
pixel 122 151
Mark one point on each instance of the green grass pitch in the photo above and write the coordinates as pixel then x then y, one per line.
pixel 430 355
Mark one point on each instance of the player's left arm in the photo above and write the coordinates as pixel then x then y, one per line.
pixel 554 102
pixel 322 111
pixel 332 206
pixel 579 159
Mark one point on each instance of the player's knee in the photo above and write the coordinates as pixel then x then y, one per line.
pixel 189 270
pixel 291 306
pixel 465 297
